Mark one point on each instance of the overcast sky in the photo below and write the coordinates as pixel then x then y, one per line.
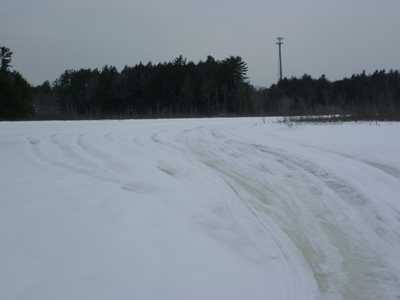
pixel 336 38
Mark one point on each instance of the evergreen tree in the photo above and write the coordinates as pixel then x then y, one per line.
pixel 5 58
pixel 15 91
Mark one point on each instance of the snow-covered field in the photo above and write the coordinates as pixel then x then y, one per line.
pixel 199 209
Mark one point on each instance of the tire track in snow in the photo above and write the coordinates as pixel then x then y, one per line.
pixel 298 281
pixel 267 228
pixel 86 167
pixel 107 159
pixel 37 151
pixel 342 188
pixel 263 195
pixel 388 170
pixel 364 274
pixel 382 167
pixel 239 184
pixel 69 152
pixel 155 137
pixel 121 169
pixel 369 268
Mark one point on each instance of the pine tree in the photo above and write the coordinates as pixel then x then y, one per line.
pixel 5 58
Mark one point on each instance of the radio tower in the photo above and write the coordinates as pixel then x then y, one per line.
pixel 280 43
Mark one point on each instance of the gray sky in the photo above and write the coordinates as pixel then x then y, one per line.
pixel 336 38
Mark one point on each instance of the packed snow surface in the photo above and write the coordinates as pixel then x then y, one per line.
pixel 245 208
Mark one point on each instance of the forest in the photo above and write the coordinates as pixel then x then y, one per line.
pixel 182 88
pixel 15 91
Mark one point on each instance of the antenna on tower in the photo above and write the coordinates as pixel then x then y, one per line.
pixel 280 43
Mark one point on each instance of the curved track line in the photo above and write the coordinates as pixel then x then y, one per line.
pixel 105 158
pixel 125 183
pixel 36 150
pixel 385 168
pixel 70 153
pixel 363 267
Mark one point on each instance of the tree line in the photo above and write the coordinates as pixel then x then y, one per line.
pixel 210 87
pixel 171 88
pixel 15 91
pixel 376 93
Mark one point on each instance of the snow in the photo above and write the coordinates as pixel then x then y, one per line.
pixel 245 208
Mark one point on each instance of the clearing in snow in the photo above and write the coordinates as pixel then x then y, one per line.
pixel 199 209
